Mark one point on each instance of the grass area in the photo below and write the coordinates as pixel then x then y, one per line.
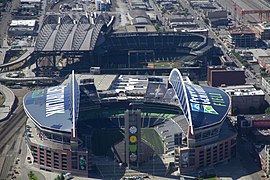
pixel 32 176
pixel 153 139
pixel 13 55
pixel 163 64
pixel 2 99
pixel 120 112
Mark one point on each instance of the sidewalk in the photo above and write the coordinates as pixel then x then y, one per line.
pixel 9 96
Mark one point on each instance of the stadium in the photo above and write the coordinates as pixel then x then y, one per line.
pixel 70 124
pixel 65 42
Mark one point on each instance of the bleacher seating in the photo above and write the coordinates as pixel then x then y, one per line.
pixel 154 40
pixel 166 131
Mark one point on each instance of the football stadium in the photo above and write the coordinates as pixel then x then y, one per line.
pixel 85 117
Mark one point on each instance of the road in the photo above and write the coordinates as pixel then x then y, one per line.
pixel 230 57
pixel 20 59
pixel 8 139
pixel 153 3
pixel 244 148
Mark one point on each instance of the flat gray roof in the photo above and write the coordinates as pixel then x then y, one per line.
pixel 102 82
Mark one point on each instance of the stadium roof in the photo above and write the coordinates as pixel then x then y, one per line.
pixel 54 108
pixel 202 105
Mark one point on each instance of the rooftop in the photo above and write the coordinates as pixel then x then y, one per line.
pixel 265 25
pixel 102 82
pixel 257 117
pixel 259 53
pixel 242 90
pixel 30 1
pixel 52 108
pixel 216 109
pixel 203 106
pixel 131 83
pixel 225 68
pixel 242 30
pixel 264 132
pixel 264 59
pixel 23 22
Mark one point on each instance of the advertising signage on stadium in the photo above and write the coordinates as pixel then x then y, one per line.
pixel 55 100
pixel 51 108
pixel 207 104
pixel 55 108
pixel 264 123
pixel 201 105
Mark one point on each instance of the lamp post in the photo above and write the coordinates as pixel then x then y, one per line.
pixel 153 164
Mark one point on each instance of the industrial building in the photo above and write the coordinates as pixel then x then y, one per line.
pixel 31 2
pixel 266 84
pixel 245 99
pixel 139 20
pixel 263 31
pixel 264 62
pixel 228 76
pixel 216 17
pixel 102 5
pixel 199 4
pixel 257 127
pixel 203 32
pixel 216 14
pixel 243 37
pixel 23 28
pixel 182 22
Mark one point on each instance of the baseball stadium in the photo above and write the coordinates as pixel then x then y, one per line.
pixel 86 117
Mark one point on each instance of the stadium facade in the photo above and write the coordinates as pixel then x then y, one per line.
pixel 51 131
pixel 210 138
pixel 198 134
pixel 86 41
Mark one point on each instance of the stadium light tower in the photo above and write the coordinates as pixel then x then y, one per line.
pixel 133 137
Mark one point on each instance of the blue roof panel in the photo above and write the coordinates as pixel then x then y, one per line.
pixel 208 105
pixel 51 108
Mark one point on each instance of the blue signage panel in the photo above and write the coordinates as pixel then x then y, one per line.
pixel 208 105
pixel 53 107
pixel 201 105
pixel 50 107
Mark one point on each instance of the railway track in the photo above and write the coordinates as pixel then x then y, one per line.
pixel 13 125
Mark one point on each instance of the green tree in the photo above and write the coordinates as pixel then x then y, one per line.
pixel 196 82
pixel 267 110
pixel 31 174
pixel 206 21
pixel 235 111
pixel 262 69
pixel 60 177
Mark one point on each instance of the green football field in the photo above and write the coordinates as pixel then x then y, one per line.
pixel 97 113
pixel 153 140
